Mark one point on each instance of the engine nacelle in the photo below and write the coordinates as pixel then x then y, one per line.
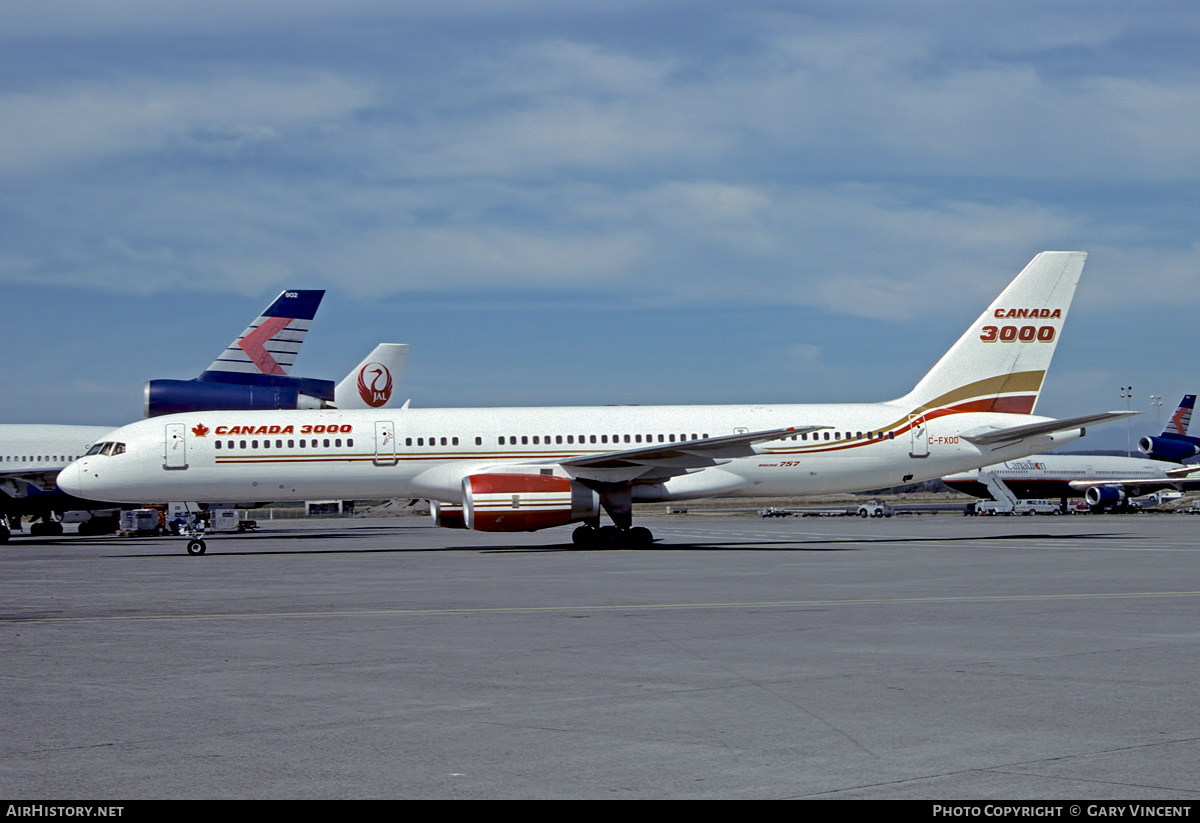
pixel 1104 495
pixel 446 515
pixel 525 502
pixel 1169 448
pixel 172 396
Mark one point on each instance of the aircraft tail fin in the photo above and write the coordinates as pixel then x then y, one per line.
pixel 269 345
pixel 370 385
pixel 999 364
pixel 1182 418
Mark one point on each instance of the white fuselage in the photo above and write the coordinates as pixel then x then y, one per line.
pixel 426 453
pixel 35 453
pixel 1050 475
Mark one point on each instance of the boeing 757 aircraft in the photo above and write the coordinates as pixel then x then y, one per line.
pixel 524 469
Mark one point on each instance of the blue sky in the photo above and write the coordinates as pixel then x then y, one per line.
pixel 582 203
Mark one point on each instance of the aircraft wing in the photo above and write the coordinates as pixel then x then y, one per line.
pixel 1172 477
pixel 662 460
pixel 1014 433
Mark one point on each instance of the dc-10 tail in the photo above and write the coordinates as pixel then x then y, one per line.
pixel 1174 443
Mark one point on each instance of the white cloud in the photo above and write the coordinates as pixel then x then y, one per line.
pixel 140 118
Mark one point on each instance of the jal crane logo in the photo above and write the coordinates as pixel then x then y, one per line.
pixel 374 384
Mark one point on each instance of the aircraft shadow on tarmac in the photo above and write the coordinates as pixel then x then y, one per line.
pixel 228 546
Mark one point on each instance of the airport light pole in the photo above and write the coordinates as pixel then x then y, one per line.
pixel 1127 393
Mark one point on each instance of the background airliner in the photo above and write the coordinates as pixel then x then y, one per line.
pixel 523 469
pixel 250 373
pixel 1105 480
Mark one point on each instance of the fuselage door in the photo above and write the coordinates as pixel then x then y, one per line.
pixel 175 456
pixel 919 428
pixel 385 443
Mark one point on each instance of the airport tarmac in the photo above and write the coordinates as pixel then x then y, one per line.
pixel 933 657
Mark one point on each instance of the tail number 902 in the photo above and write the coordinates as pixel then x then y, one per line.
pixel 1023 334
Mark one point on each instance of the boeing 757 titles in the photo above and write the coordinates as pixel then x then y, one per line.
pixel 524 469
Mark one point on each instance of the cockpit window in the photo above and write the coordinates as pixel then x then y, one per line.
pixel 107 448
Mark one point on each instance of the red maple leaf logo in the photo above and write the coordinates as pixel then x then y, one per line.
pixel 200 430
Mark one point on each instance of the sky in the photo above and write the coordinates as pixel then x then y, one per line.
pixel 562 203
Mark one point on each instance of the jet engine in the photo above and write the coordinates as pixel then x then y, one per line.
pixel 171 396
pixel 1104 495
pixel 446 515
pixel 525 502
pixel 1169 448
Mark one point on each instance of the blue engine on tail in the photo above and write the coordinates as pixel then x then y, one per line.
pixel 268 393
pixel 1170 447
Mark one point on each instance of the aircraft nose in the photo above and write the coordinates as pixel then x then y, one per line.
pixel 70 479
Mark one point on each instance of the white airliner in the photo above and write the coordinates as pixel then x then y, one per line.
pixel 1106 481
pixel 524 469
pixel 31 456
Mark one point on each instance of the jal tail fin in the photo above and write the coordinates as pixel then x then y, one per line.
pixel 1182 418
pixel 372 382
pixel 268 345
pixel 999 364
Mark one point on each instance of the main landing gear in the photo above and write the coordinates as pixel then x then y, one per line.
pixel 618 503
pixel 612 537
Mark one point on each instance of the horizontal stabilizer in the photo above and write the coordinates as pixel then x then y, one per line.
pixel 1014 433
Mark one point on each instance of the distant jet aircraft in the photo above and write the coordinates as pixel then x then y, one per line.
pixel 251 373
pixel 524 469
pixel 1106 481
